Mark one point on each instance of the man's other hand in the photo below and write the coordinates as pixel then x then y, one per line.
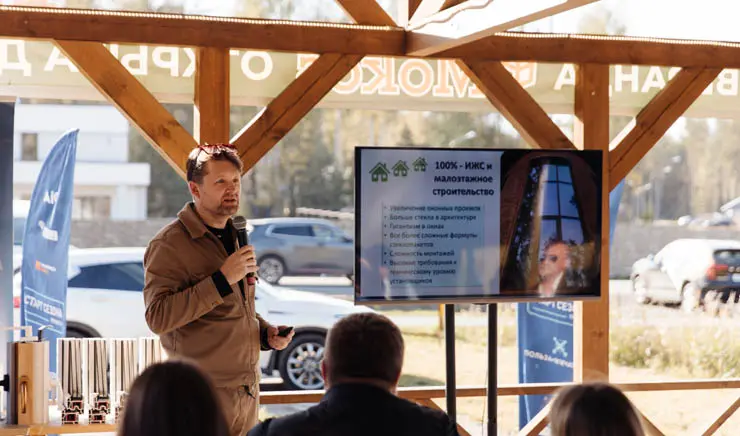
pixel 239 264
pixel 278 342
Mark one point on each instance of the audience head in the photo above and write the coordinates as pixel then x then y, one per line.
pixel 594 409
pixel 363 348
pixel 172 399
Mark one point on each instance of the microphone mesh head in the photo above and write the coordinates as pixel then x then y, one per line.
pixel 239 222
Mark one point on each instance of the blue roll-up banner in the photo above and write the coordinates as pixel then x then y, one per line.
pixel 545 337
pixel 46 244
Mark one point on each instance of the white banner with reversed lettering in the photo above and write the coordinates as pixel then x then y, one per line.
pixel 36 69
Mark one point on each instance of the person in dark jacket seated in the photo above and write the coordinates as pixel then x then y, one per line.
pixel 361 368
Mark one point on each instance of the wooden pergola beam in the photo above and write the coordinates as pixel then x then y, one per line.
pixel 538 423
pixel 275 35
pixel 469 22
pixel 598 49
pixel 366 12
pixel 212 86
pixel 428 8
pixel 654 120
pixel 650 427
pixel 715 425
pixel 430 403
pixel 134 101
pixel 288 108
pixel 591 132
pixel 195 31
pixel 516 104
pixel 406 10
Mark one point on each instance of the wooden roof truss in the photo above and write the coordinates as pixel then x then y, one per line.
pixel 422 32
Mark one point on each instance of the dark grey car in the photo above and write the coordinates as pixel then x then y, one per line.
pixel 301 246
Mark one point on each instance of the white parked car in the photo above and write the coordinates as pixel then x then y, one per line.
pixel 104 299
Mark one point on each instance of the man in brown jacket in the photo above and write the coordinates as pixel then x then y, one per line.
pixel 198 298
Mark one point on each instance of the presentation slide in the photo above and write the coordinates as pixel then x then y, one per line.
pixel 454 225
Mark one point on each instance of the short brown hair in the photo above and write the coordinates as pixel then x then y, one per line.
pixel 364 345
pixel 594 409
pixel 199 156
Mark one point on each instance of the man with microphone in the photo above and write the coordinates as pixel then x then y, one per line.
pixel 199 287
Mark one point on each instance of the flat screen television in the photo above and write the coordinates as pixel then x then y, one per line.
pixel 477 225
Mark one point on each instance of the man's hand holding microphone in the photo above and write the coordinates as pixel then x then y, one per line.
pixel 239 264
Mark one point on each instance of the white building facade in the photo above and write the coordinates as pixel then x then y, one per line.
pixel 107 185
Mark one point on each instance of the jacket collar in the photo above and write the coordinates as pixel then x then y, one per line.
pixel 353 392
pixel 193 222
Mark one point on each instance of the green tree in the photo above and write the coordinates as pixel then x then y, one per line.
pixel 168 192
pixel 407 137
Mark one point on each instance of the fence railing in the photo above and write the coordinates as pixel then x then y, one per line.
pixel 427 395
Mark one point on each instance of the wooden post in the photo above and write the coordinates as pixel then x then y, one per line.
pixel 591 132
pixel 212 95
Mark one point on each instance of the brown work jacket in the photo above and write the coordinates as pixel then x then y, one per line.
pixel 184 307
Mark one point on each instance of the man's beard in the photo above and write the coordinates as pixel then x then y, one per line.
pixel 227 209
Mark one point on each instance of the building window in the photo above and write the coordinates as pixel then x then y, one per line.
pixel 29 146
pixel 90 208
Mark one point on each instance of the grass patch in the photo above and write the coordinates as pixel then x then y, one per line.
pixel 705 351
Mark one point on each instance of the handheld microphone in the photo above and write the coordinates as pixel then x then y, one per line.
pixel 240 223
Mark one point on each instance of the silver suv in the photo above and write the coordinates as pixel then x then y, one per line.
pixel 301 246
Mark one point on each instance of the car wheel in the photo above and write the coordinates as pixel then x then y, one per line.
pixel 272 269
pixel 74 333
pixel 690 297
pixel 300 363
pixel 641 291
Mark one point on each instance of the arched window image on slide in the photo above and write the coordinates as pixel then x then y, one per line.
pixel 550 224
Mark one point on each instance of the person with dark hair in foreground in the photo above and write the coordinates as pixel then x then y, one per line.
pixel 172 399
pixel 361 368
pixel 594 409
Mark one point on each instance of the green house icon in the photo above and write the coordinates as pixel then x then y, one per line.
pixel 400 169
pixel 420 164
pixel 379 173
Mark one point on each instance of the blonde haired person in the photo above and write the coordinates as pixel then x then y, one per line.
pixel 594 409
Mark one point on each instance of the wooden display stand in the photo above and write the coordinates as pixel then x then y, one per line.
pixel 55 428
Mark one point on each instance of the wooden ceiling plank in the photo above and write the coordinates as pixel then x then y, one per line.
pixel 189 31
pixel 288 108
pixel 654 120
pixel 212 97
pixel 462 24
pixel 516 104
pixel 366 12
pixel 132 99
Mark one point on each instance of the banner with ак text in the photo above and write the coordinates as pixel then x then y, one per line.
pixel 545 337
pixel 46 244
